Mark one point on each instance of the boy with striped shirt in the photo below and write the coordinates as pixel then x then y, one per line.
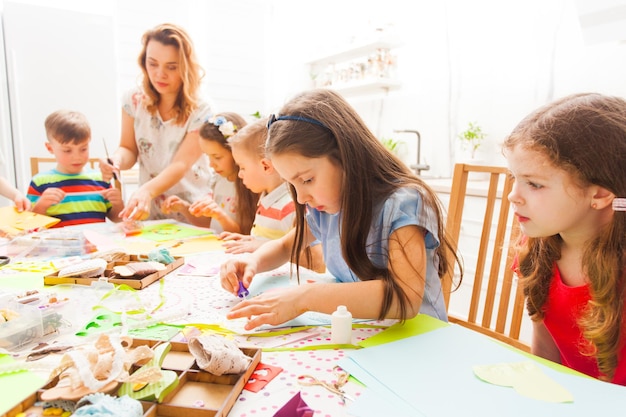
pixel 68 192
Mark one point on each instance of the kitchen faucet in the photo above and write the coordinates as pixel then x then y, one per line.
pixel 417 167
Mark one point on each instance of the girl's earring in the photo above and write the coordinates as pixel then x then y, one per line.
pixel 594 205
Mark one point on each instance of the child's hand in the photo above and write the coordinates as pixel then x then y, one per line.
pixel 114 196
pixel 51 196
pixel 237 243
pixel 206 207
pixel 107 170
pixel 174 204
pixel 272 307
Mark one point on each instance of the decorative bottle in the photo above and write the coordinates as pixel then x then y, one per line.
pixel 341 326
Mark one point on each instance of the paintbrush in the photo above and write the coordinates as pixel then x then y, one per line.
pixel 109 160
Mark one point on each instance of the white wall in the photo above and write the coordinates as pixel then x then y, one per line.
pixel 490 61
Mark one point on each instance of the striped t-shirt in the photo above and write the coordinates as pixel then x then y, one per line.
pixel 83 203
pixel 275 214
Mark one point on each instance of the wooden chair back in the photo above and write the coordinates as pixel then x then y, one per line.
pixel 36 161
pixel 496 307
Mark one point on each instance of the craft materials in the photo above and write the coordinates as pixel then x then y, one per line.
pixel 335 388
pixel 86 269
pixel 217 355
pixel 109 160
pixel 242 292
pixel 341 326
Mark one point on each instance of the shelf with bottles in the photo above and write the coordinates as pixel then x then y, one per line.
pixel 358 68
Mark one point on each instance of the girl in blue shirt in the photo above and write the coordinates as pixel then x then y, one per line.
pixel 380 226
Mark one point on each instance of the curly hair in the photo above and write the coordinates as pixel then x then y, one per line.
pixel 585 135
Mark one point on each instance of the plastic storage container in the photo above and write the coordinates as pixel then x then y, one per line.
pixel 24 328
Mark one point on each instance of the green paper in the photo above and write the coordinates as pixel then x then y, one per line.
pixel 22 281
pixel 526 378
pixel 421 323
pixel 17 386
pixel 170 231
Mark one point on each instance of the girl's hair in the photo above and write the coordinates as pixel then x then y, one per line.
pixel 67 126
pixel 246 199
pixel 320 123
pixel 584 135
pixel 190 71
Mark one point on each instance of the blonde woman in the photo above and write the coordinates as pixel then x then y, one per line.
pixel 160 124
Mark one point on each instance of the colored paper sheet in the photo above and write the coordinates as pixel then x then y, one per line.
pixel 433 373
pixel 14 222
pixel 17 386
pixel 421 323
pixel 208 243
pixel 170 231
pixel 526 378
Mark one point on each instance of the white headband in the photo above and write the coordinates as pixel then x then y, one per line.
pixel 619 204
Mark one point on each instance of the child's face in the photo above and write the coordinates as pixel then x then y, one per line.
pixel 251 170
pixel 71 157
pixel 317 181
pixel 163 67
pixel 546 200
pixel 220 159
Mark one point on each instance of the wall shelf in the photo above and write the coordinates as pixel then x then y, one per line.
pixel 354 51
pixel 358 68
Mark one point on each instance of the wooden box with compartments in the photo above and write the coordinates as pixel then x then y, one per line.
pixel 195 393
pixel 109 274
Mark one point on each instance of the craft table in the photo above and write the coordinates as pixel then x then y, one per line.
pixel 423 367
pixel 192 295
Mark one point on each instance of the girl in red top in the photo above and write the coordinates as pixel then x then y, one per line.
pixel 568 159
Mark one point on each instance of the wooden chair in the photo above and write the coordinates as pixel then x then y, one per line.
pixel 35 162
pixel 495 292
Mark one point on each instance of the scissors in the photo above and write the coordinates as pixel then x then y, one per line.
pixel 336 388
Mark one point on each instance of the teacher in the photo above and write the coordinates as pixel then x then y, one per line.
pixel 160 124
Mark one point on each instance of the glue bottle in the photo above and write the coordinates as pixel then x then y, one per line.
pixel 341 326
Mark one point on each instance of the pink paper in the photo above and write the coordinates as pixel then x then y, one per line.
pixel 295 407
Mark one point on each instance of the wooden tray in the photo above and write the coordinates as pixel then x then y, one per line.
pixel 137 284
pixel 217 393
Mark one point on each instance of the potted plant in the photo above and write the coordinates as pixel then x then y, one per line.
pixel 471 138
pixel 391 144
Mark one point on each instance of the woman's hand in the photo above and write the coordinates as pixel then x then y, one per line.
pixel 138 206
pixel 272 307
pixel 21 203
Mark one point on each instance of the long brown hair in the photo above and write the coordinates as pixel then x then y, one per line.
pixel 585 135
pixel 246 199
pixel 191 72
pixel 370 175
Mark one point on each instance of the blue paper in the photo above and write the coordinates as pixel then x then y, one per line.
pixel 433 373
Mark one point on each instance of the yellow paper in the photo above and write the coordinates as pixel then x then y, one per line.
pixel 13 222
pixel 526 378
